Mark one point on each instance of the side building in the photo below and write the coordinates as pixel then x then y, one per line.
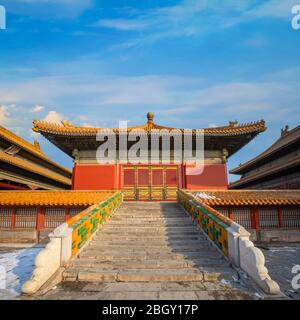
pixel 278 167
pixel 23 166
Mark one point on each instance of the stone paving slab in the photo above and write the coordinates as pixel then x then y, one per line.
pixel 146 291
pixel 280 260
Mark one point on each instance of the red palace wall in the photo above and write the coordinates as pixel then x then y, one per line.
pixel 107 177
pixel 94 177
pixel 210 177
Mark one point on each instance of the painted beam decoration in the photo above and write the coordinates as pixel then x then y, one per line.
pixel 212 223
pixel 87 222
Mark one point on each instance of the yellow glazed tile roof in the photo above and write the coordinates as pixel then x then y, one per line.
pixel 30 166
pixel 52 198
pixel 66 128
pixel 248 197
pixel 22 143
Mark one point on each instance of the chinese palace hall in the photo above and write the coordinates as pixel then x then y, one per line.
pixel 145 181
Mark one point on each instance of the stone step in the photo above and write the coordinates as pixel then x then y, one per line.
pixel 150 219
pixel 146 228
pixel 151 244
pixel 147 249
pixel 128 275
pixel 151 225
pixel 148 264
pixel 143 215
pixel 150 211
pixel 146 275
pixel 145 255
pixel 140 232
pixel 103 236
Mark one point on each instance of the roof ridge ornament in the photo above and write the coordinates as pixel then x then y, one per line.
pixel 37 145
pixel 66 123
pixel 285 131
pixel 233 123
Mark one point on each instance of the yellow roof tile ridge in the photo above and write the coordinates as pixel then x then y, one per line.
pixel 44 126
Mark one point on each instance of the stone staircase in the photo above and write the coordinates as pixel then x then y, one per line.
pixel 149 242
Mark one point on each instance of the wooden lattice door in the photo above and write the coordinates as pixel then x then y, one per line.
pixel 150 182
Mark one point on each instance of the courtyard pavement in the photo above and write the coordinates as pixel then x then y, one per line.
pixel 280 260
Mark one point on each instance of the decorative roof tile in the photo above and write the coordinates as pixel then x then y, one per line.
pixel 248 197
pixel 52 198
pixel 68 129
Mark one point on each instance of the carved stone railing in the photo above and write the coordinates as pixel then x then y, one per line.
pixel 68 239
pixel 232 239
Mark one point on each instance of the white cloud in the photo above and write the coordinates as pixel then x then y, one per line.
pixel 37 108
pixel 273 8
pixel 89 99
pixel 4 114
pixel 54 117
pixel 121 24
pixel 192 18
pixel 45 9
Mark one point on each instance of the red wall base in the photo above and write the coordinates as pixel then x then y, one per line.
pixel 106 177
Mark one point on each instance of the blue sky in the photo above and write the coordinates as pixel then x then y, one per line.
pixel 194 63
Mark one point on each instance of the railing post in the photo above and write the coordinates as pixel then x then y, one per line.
pixel 13 218
pixel 280 217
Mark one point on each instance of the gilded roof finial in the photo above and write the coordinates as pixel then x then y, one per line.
pixel 150 116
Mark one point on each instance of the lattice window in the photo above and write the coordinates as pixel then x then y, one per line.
pixel 291 217
pixel 242 216
pixel 268 218
pixel 75 211
pixel 5 217
pixel 26 217
pixel 223 211
pixel 54 217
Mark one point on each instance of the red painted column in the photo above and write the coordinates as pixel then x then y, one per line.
pixel 40 221
pixel 280 217
pixel 13 218
pixel 183 175
pixel 67 214
pixel 254 213
pixel 230 214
